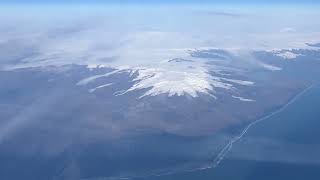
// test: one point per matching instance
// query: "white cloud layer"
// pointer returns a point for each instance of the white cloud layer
(145, 40)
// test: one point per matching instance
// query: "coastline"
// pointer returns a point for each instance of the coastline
(224, 151)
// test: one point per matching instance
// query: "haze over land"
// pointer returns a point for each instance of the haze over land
(112, 84)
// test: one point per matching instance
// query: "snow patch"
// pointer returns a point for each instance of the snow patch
(287, 55)
(102, 86)
(243, 99)
(181, 78)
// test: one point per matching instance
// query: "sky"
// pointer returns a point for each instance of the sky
(311, 2)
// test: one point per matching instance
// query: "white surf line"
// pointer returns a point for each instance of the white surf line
(228, 147)
(221, 154)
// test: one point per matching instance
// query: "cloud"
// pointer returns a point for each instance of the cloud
(221, 13)
(128, 44)
(288, 30)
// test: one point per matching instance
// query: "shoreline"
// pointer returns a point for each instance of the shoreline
(224, 151)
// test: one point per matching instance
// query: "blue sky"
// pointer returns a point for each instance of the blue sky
(168, 1)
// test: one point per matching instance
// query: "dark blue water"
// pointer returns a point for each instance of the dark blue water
(293, 152)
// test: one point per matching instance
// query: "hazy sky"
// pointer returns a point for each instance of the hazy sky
(287, 2)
